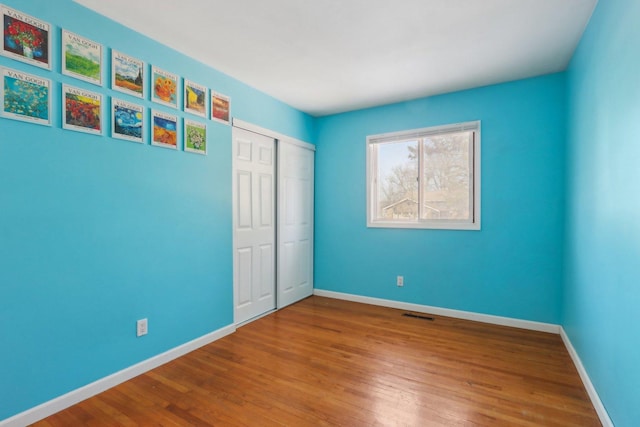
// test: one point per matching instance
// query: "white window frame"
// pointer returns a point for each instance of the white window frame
(474, 159)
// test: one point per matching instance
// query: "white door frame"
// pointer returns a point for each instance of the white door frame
(271, 134)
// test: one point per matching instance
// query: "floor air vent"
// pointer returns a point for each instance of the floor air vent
(418, 316)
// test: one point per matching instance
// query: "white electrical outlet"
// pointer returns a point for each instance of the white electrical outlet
(142, 327)
(400, 281)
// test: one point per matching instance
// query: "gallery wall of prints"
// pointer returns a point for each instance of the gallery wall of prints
(110, 93)
(106, 215)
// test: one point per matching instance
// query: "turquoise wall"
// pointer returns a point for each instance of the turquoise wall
(96, 233)
(602, 291)
(513, 266)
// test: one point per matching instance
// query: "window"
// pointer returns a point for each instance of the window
(425, 178)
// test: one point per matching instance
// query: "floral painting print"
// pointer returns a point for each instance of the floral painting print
(165, 130)
(165, 87)
(25, 97)
(195, 137)
(82, 110)
(25, 38)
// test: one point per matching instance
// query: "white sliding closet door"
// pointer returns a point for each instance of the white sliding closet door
(295, 222)
(254, 224)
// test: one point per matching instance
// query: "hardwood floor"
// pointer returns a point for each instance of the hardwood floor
(329, 362)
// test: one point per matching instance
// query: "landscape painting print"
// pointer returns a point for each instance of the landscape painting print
(164, 87)
(165, 130)
(81, 58)
(81, 110)
(127, 120)
(25, 97)
(195, 137)
(25, 38)
(220, 105)
(127, 74)
(195, 98)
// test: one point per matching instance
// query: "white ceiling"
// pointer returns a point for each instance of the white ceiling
(331, 56)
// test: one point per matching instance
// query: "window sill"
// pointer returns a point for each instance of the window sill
(426, 225)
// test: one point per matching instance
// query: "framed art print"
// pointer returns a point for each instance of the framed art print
(195, 98)
(81, 110)
(164, 87)
(164, 129)
(127, 121)
(26, 38)
(220, 107)
(81, 58)
(25, 97)
(127, 74)
(195, 137)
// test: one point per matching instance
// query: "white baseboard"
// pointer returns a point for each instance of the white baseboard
(58, 404)
(458, 314)
(591, 390)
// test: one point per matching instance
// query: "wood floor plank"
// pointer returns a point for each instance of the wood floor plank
(326, 362)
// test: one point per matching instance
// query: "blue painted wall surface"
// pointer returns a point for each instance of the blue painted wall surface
(96, 233)
(513, 266)
(602, 294)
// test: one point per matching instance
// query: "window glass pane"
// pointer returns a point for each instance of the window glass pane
(425, 178)
(397, 187)
(447, 176)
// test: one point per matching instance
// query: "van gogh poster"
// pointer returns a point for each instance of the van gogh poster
(25, 38)
(82, 110)
(127, 120)
(26, 97)
(165, 129)
(81, 58)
